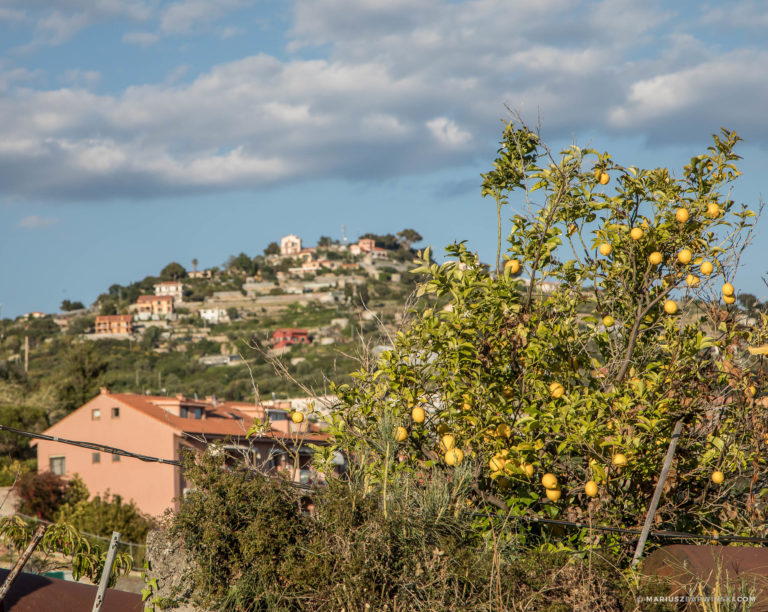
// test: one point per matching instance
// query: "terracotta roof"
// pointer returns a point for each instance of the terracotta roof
(223, 419)
(114, 318)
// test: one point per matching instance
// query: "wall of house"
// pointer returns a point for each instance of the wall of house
(151, 485)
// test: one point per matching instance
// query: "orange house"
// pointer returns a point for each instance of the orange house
(154, 305)
(165, 427)
(114, 324)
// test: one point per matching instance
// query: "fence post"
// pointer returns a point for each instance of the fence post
(105, 573)
(22, 560)
(657, 493)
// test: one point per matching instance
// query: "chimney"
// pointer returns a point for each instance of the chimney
(104, 391)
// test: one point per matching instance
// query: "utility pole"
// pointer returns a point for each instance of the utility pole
(26, 354)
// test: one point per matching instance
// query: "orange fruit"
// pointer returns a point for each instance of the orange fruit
(713, 210)
(692, 280)
(655, 258)
(603, 178)
(556, 390)
(528, 469)
(447, 442)
(297, 417)
(591, 488)
(729, 299)
(401, 433)
(681, 215)
(620, 460)
(636, 233)
(718, 477)
(513, 266)
(706, 268)
(608, 321)
(605, 249)
(728, 289)
(684, 256)
(670, 307)
(553, 494)
(454, 456)
(549, 481)
(418, 415)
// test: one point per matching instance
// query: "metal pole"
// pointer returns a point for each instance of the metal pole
(105, 573)
(22, 560)
(657, 493)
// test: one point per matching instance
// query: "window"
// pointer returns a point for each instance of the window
(96, 458)
(115, 457)
(183, 411)
(116, 412)
(198, 413)
(58, 465)
(95, 414)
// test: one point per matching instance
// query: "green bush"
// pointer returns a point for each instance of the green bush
(260, 544)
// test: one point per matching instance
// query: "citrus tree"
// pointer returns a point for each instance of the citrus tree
(555, 379)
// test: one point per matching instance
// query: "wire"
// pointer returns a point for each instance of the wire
(681, 535)
(91, 445)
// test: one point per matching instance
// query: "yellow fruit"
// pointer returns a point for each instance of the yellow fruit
(751, 391)
(655, 258)
(556, 390)
(497, 463)
(553, 494)
(442, 429)
(454, 456)
(401, 433)
(620, 460)
(636, 233)
(605, 249)
(466, 406)
(681, 215)
(706, 268)
(728, 289)
(503, 431)
(297, 417)
(608, 321)
(549, 481)
(729, 299)
(670, 307)
(718, 477)
(418, 415)
(591, 488)
(513, 266)
(528, 469)
(603, 177)
(713, 210)
(447, 442)
(684, 256)
(692, 280)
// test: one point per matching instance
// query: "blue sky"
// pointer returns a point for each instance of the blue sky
(138, 132)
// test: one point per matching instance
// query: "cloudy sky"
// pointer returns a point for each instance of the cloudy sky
(137, 132)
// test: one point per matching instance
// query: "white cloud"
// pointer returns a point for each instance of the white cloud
(37, 222)
(403, 88)
(184, 16)
(143, 39)
(447, 132)
(82, 78)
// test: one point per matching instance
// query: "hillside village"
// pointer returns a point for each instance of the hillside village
(159, 366)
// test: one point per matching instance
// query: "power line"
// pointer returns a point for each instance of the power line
(91, 446)
(680, 535)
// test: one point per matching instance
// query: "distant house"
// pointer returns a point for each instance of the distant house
(36, 314)
(153, 306)
(115, 325)
(175, 289)
(214, 316)
(165, 427)
(200, 273)
(285, 337)
(290, 245)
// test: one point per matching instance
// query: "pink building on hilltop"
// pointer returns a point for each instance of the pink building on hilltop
(164, 427)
